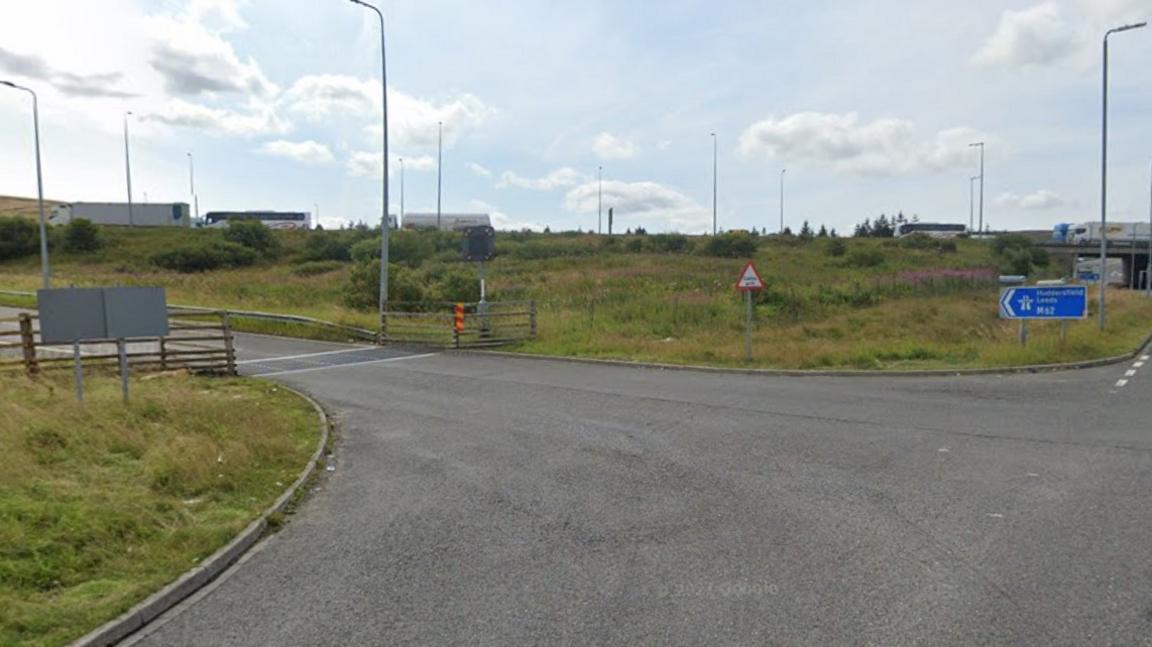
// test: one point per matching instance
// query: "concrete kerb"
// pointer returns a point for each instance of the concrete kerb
(140, 615)
(774, 372)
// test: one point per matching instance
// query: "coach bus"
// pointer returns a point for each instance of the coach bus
(271, 219)
(933, 229)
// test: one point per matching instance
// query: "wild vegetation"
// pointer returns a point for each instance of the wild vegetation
(860, 302)
(102, 504)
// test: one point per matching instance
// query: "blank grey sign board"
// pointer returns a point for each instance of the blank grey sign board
(71, 314)
(136, 312)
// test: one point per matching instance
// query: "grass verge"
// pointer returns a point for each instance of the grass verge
(103, 504)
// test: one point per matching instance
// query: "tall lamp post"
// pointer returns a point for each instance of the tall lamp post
(128, 169)
(192, 188)
(384, 225)
(44, 273)
(599, 199)
(1148, 270)
(981, 146)
(401, 223)
(971, 200)
(714, 166)
(782, 172)
(1104, 166)
(439, 166)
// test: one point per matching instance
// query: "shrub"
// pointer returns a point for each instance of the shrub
(457, 285)
(334, 245)
(362, 290)
(918, 241)
(18, 237)
(1017, 254)
(674, 243)
(80, 236)
(836, 248)
(634, 245)
(253, 235)
(410, 248)
(865, 258)
(735, 244)
(315, 268)
(203, 257)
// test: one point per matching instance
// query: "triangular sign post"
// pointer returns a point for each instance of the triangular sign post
(749, 279)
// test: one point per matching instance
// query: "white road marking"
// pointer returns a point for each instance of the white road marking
(287, 357)
(1121, 382)
(1032, 475)
(348, 365)
(995, 515)
(1129, 373)
(943, 450)
(1145, 358)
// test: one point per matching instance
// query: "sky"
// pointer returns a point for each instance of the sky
(869, 105)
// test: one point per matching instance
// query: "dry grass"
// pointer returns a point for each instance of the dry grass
(24, 207)
(102, 504)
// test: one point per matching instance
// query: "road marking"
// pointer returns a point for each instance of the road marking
(1139, 365)
(1145, 358)
(1131, 373)
(1121, 382)
(287, 357)
(350, 364)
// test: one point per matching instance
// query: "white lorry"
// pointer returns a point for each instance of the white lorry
(168, 214)
(1118, 232)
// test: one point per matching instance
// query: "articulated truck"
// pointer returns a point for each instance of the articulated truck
(169, 214)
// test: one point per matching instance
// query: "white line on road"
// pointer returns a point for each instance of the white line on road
(350, 364)
(1130, 373)
(1145, 358)
(1139, 365)
(329, 352)
(1121, 382)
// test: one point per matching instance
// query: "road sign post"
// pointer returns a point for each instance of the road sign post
(748, 283)
(1056, 303)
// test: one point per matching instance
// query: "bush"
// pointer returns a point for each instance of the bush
(734, 244)
(673, 243)
(203, 257)
(18, 237)
(253, 235)
(865, 258)
(334, 245)
(410, 248)
(81, 236)
(634, 245)
(362, 290)
(315, 268)
(456, 284)
(1017, 254)
(836, 248)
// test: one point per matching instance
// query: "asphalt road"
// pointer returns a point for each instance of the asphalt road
(493, 501)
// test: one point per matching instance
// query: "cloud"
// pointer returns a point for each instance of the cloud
(308, 152)
(478, 169)
(261, 120)
(76, 85)
(501, 220)
(412, 121)
(610, 147)
(1037, 35)
(643, 203)
(881, 147)
(365, 164)
(1039, 201)
(561, 177)
(192, 57)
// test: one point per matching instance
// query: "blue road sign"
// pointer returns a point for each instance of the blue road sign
(1059, 302)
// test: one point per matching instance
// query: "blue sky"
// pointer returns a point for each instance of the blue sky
(870, 107)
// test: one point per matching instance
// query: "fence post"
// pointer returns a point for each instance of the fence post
(163, 354)
(383, 326)
(532, 316)
(28, 344)
(229, 348)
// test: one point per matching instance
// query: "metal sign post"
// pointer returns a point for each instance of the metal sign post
(79, 368)
(748, 283)
(121, 350)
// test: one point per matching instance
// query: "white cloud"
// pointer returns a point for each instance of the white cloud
(881, 147)
(1037, 35)
(412, 121)
(1039, 201)
(260, 120)
(192, 57)
(479, 170)
(308, 152)
(610, 147)
(501, 220)
(560, 178)
(643, 203)
(365, 164)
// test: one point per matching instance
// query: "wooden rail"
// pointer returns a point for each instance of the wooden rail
(434, 324)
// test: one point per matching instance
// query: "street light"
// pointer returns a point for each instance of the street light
(401, 223)
(782, 172)
(981, 145)
(713, 184)
(599, 199)
(192, 188)
(128, 168)
(971, 190)
(1104, 165)
(439, 166)
(1148, 270)
(44, 273)
(316, 206)
(383, 303)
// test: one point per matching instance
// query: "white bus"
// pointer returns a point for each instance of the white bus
(933, 229)
(271, 219)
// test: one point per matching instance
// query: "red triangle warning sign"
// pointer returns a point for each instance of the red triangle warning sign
(750, 279)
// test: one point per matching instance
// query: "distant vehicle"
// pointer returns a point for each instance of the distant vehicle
(1088, 270)
(1089, 232)
(271, 219)
(933, 229)
(152, 214)
(448, 221)
(1061, 232)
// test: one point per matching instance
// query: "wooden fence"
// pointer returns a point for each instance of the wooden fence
(426, 323)
(198, 341)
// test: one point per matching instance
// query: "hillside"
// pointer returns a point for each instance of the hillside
(856, 303)
(24, 207)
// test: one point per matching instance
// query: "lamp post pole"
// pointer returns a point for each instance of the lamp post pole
(192, 188)
(384, 225)
(45, 275)
(980, 145)
(971, 201)
(599, 199)
(1104, 167)
(714, 182)
(439, 167)
(401, 223)
(1148, 269)
(128, 169)
(782, 172)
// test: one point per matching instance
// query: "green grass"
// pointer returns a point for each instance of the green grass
(103, 504)
(881, 304)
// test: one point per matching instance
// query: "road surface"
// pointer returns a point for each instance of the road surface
(494, 501)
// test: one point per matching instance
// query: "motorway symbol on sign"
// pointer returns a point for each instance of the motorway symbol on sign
(1063, 302)
(750, 279)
